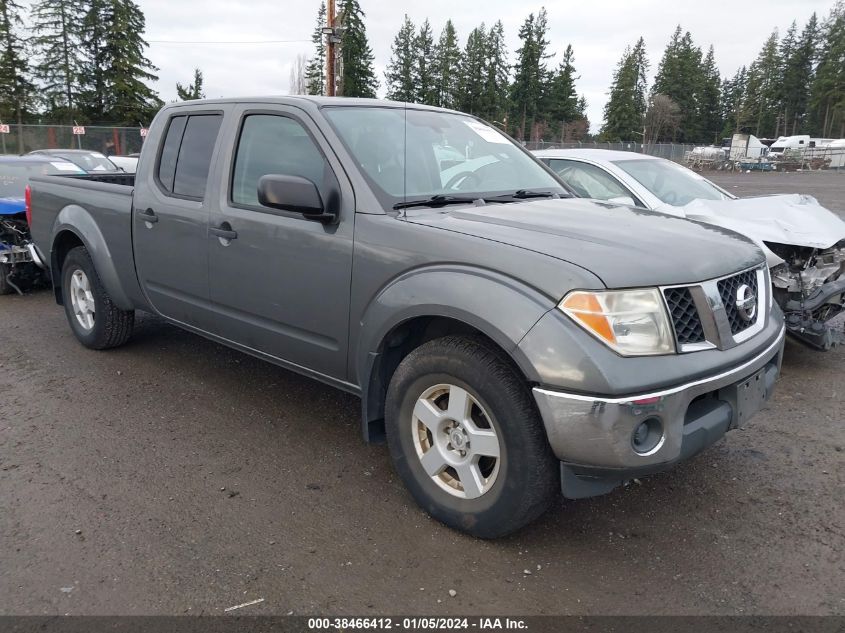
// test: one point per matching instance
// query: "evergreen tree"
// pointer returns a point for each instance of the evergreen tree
(473, 72)
(786, 84)
(359, 75)
(424, 72)
(579, 129)
(760, 106)
(530, 76)
(582, 107)
(640, 71)
(733, 93)
(709, 100)
(447, 60)
(828, 90)
(679, 77)
(494, 98)
(94, 62)
(562, 104)
(16, 89)
(315, 72)
(797, 79)
(192, 90)
(55, 40)
(400, 70)
(626, 106)
(132, 100)
(115, 71)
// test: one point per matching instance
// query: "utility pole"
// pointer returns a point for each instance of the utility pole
(331, 42)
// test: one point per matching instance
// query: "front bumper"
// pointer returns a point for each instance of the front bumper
(14, 255)
(593, 436)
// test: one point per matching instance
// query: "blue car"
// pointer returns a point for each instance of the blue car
(17, 267)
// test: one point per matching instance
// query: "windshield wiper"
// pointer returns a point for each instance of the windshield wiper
(524, 194)
(436, 201)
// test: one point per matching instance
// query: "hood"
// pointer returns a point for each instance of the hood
(784, 219)
(12, 206)
(623, 246)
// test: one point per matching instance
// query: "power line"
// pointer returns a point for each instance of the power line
(227, 42)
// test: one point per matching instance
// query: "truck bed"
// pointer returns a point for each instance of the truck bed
(101, 202)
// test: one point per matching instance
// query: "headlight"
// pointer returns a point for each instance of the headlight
(632, 322)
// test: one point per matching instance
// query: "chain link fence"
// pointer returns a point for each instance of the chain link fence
(21, 139)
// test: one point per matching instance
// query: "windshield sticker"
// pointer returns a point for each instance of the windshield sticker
(486, 132)
(65, 166)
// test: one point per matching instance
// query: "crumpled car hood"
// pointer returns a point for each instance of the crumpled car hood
(785, 219)
(12, 206)
(623, 246)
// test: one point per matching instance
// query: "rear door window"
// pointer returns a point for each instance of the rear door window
(186, 154)
(195, 155)
(170, 151)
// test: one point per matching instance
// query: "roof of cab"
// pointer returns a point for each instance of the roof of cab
(308, 101)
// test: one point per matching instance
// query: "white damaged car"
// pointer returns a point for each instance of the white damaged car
(803, 242)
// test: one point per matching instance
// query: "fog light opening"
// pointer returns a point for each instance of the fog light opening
(647, 436)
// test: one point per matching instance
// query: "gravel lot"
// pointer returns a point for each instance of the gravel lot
(827, 186)
(176, 476)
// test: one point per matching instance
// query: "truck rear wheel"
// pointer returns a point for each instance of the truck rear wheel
(467, 440)
(95, 320)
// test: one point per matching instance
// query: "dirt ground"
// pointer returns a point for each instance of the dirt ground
(174, 476)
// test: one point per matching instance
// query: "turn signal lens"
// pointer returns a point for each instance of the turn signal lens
(586, 308)
(632, 322)
(28, 204)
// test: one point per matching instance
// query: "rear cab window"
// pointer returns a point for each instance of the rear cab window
(186, 153)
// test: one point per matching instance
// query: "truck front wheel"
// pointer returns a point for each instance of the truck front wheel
(95, 320)
(465, 436)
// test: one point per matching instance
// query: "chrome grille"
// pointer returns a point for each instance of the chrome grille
(685, 317)
(727, 291)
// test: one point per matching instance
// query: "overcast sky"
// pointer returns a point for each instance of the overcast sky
(598, 30)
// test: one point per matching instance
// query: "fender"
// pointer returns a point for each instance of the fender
(500, 307)
(78, 221)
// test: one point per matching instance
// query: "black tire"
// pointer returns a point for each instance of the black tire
(528, 478)
(112, 326)
(5, 288)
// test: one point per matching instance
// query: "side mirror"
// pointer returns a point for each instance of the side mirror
(623, 200)
(293, 193)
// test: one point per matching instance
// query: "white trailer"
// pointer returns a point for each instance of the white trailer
(746, 146)
(836, 151)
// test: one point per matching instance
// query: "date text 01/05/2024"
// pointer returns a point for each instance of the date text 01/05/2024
(416, 623)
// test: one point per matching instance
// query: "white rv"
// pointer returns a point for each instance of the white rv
(800, 142)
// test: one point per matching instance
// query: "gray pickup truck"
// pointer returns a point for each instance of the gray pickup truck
(509, 341)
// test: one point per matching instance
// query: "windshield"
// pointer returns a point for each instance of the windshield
(90, 162)
(14, 176)
(671, 183)
(409, 154)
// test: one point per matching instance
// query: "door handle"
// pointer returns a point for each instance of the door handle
(224, 232)
(147, 215)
